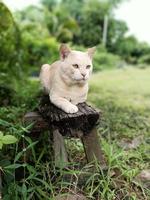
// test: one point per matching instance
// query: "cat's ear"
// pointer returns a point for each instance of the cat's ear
(64, 51)
(91, 52)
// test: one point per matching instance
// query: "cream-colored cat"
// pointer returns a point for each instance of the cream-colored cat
(66, 80)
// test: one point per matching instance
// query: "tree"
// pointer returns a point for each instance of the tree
(116, 32)
(74, 7)
(126, 48)
(10, 56)
(50, 4)
(91, 23)
(113, 3)
(61, 24)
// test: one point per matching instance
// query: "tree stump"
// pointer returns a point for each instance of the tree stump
(79, 125)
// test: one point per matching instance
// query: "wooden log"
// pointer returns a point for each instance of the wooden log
(39, 124)
(84, 120)
(61, 158)
(47, 115)
(92, 148)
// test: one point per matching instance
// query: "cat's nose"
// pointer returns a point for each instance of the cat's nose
(83, 74)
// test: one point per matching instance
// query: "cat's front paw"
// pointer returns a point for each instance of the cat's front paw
(71, 109)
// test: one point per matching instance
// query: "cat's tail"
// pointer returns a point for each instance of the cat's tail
(45, 77)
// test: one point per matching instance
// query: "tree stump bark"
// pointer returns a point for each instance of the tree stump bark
(92, 148)
(61, 158)
(81, 124)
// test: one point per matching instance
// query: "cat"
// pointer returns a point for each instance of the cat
(66, 80)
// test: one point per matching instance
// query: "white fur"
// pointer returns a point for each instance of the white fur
(63, 82)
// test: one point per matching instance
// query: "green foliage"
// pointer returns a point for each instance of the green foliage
(115, 34)
(61, 24)
(38, 46)
(10, 54)
(144, 59)
(50, 4)
(126, 47)
(36, 41)
(91, 23)
(6, 139)
(104, 60)
(39, 52)
(6, 95)
(30, 14)
(77, 22)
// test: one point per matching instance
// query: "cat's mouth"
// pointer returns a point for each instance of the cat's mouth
(81, 79)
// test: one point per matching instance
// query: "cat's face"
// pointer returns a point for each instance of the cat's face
(76, 65)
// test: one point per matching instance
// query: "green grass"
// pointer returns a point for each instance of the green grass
(123, 96)
(128, 87)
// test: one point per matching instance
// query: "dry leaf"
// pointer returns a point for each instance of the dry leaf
(144, 175)
(130, 144)
(70, 197)
(144, 178)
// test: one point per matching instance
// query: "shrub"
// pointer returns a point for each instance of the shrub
(65, 35)
(6, 95)
(104, 60)
(10, 54)
(145, 59)
(39, 52)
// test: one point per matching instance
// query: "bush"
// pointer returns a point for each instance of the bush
(39, 52)
(145, 59)
(10, 54)
(65, 35)
(104, 60)
(6, 95)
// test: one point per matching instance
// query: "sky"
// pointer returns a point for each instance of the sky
(19, 4)
(136, 13)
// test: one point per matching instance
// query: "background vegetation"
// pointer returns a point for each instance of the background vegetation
(31, 37)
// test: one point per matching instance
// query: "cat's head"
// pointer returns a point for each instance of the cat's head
(76, 65)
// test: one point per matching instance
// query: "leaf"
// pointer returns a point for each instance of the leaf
(31, 169)
(144, 178)
(41, 192)
(24, 150)
(144, 175)
(5, 123)
(18, 156)
(130, 144)
(9, 139)
(24, 190)
(70, 197)
(13, 166)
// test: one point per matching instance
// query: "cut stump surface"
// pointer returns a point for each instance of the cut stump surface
(84, 120)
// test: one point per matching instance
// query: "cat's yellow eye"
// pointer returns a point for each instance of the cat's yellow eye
(76, 66)
(88, 66)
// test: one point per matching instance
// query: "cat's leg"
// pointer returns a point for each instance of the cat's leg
(63, 104)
